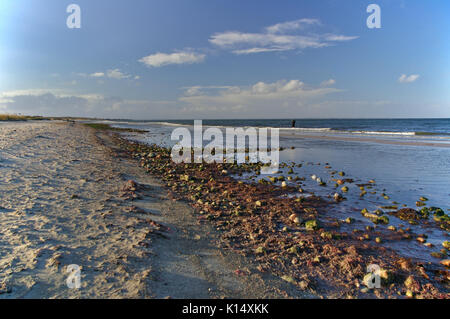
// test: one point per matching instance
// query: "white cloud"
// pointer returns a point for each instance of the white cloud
(257, 50)
(329, 82)
(292, 25)
(117, 74)
(97, 75)
(198, 89)
(277, 38)
(337, 37)
(163, 59)
(408, 79)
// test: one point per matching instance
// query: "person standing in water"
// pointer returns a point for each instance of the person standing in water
(293, 123)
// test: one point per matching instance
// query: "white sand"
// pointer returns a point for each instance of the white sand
(45, 228)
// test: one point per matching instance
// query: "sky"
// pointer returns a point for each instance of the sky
(215, 59)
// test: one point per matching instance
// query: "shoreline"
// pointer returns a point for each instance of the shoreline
(248, 230)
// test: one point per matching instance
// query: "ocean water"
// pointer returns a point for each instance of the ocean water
(417, 127)
(408, 158)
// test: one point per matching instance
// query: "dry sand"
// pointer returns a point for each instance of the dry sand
(61, 203)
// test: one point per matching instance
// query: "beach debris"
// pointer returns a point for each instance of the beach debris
(260, 250)
(420, 204)
(411, 283)
(421, 239)
(407, 214)
(437, 254)
(337, 197)
(374, 217)
(349, 220)
(425, 212)
(294, 249)
(326, 235)
(312, 225)
(288, 279)
(295, 218)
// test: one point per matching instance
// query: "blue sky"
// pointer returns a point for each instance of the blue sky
(204, 59)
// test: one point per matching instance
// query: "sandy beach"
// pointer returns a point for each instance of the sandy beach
(140, 226)
(68, 196)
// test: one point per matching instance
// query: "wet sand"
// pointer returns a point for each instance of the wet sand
(66, 198)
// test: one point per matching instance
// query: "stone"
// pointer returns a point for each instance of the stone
(289, 279)
(312, 225)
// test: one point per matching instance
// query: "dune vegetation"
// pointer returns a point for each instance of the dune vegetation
(15, 117)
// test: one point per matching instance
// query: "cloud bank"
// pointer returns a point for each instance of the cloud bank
(275, 99)
(57, 103)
